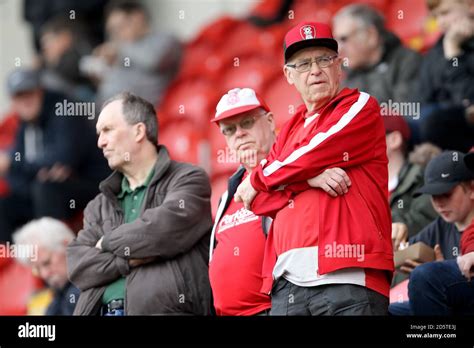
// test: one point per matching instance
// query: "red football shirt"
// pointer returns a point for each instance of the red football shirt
(235, 270)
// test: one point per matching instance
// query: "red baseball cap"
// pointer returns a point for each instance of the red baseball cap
(308, 34)
(237, 101)
(397, 123)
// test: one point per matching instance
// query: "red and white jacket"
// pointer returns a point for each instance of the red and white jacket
(347, 133)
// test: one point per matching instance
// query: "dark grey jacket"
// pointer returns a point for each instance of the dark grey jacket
(447, 81)
(393, 78)
(174, 226)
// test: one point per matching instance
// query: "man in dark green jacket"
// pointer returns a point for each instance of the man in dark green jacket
(143, 249)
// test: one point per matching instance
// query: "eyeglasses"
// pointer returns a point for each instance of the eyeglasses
(305, 65)
(245, 123)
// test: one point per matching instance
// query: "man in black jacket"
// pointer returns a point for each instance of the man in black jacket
(446, 77)
(54, 167)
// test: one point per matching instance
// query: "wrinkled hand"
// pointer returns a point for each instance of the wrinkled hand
(410, 265)
(139, 262)
(245, 193)
(399, 234)
(466, 265)
(334, 181)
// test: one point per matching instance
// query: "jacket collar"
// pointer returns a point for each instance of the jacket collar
(111, 186)
(409, 176)
(343, 93)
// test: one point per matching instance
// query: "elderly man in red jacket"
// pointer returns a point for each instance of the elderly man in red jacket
(326, 255)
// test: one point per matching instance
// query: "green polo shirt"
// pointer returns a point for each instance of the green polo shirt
(131, 202)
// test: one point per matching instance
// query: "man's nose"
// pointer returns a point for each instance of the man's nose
(101, 142)
(45, 273)
(239, 131)
(314, 68)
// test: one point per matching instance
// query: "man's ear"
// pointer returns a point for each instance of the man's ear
(338, 63)
(271, 119)
(394, 140)
(372, 36)
(288, 74)
(140, 131)
(471, 186)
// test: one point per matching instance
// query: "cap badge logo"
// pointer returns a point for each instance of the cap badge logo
(308, 32)
(233, 98)
(444, 176)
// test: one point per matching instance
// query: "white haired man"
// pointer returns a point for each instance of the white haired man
(48, 238)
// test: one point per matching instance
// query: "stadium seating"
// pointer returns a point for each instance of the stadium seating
(19, 283)
(281, 98)
(185, 142)
(8, 127)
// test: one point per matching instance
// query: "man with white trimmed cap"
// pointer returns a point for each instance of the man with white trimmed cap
(333, 254)
(239, 236)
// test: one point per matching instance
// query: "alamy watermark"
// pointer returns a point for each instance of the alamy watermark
(19, 251)
(28, 330)
(350, 251)
(228, 155)
(68, 108)
(405, 109)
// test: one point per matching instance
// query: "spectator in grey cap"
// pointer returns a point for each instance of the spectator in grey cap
(53, 167)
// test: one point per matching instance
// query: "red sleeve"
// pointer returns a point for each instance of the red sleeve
(467, 240)
(349, 138)
(269, 203)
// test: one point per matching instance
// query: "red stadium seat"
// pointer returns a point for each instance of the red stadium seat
(193, 99)
(282, 99)
(202, 61)
(249, 39)
(267, 8)
(406, 18)
(399, 293)
(17, 284)
(314, 11)
(216, 32)
(185, 142)
(8, 128)
(250, 71)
